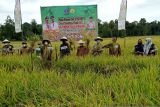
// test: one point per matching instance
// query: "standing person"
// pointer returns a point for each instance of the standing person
(64, 48)
(114, 47)
(91, 24)
(7, 48)
(138, 49)
(97, 48)
(46, 25)
(82, 49)
(149, 47)
(53, 25)
(46, 53)
(24, 49)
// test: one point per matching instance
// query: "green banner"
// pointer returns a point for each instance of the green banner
(74, 22)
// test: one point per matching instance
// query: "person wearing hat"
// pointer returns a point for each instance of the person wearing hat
(82, 49)
(24, 49)
(114, 47)
(149, 48)
(64, 48)
(46, 53)
(97, 48)
(7, 48)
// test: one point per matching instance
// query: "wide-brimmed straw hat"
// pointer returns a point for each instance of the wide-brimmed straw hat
(81, 42)
(64, 39)
(6, 41)
(98, 38)
(24, 42)
(46, 40)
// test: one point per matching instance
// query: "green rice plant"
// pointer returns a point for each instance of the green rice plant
(99, 81)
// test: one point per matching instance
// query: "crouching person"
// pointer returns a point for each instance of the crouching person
(46, 53)
(138, 49)
(150, 48)
(97, 48)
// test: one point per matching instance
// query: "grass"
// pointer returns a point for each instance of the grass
(82, 82)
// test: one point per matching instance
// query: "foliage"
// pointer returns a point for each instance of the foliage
(105, 29)
(7, 30)
(100, 81)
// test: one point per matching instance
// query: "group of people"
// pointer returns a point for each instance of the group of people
(145, 49)
(50, 26)
(83, 48)
(9, 49)
(114, 48)
(44, 49)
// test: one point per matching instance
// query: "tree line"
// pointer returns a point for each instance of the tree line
(105, 29)
(7, 30)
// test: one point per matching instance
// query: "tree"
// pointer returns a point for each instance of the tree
(105, 29)
(34, 26)
(111, 27)
(8, 28)
(143, 26)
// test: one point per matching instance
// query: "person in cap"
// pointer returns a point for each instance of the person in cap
(97, 48)
(46, 49)
(114, 47)
(149, 48)
(82, 49)
(64, 48)
(24, 49)
(138, 49)
(7, 47)
(46, 53)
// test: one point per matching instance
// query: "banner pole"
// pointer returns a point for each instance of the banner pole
(21, 23)
(124, 38)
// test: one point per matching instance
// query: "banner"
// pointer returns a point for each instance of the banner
(74, 22)
(122, 15)
(17, 17)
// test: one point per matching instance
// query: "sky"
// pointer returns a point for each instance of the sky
(107, 9)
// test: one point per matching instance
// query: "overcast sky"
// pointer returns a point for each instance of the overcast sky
(107, 9)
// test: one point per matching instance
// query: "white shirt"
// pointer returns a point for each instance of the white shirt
(46, 26)
(54, 26)
(91, 25)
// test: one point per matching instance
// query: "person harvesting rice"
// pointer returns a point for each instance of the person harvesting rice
(97, 48)
(46, 53)
(114, 47)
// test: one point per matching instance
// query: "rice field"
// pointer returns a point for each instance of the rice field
(82, 82)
